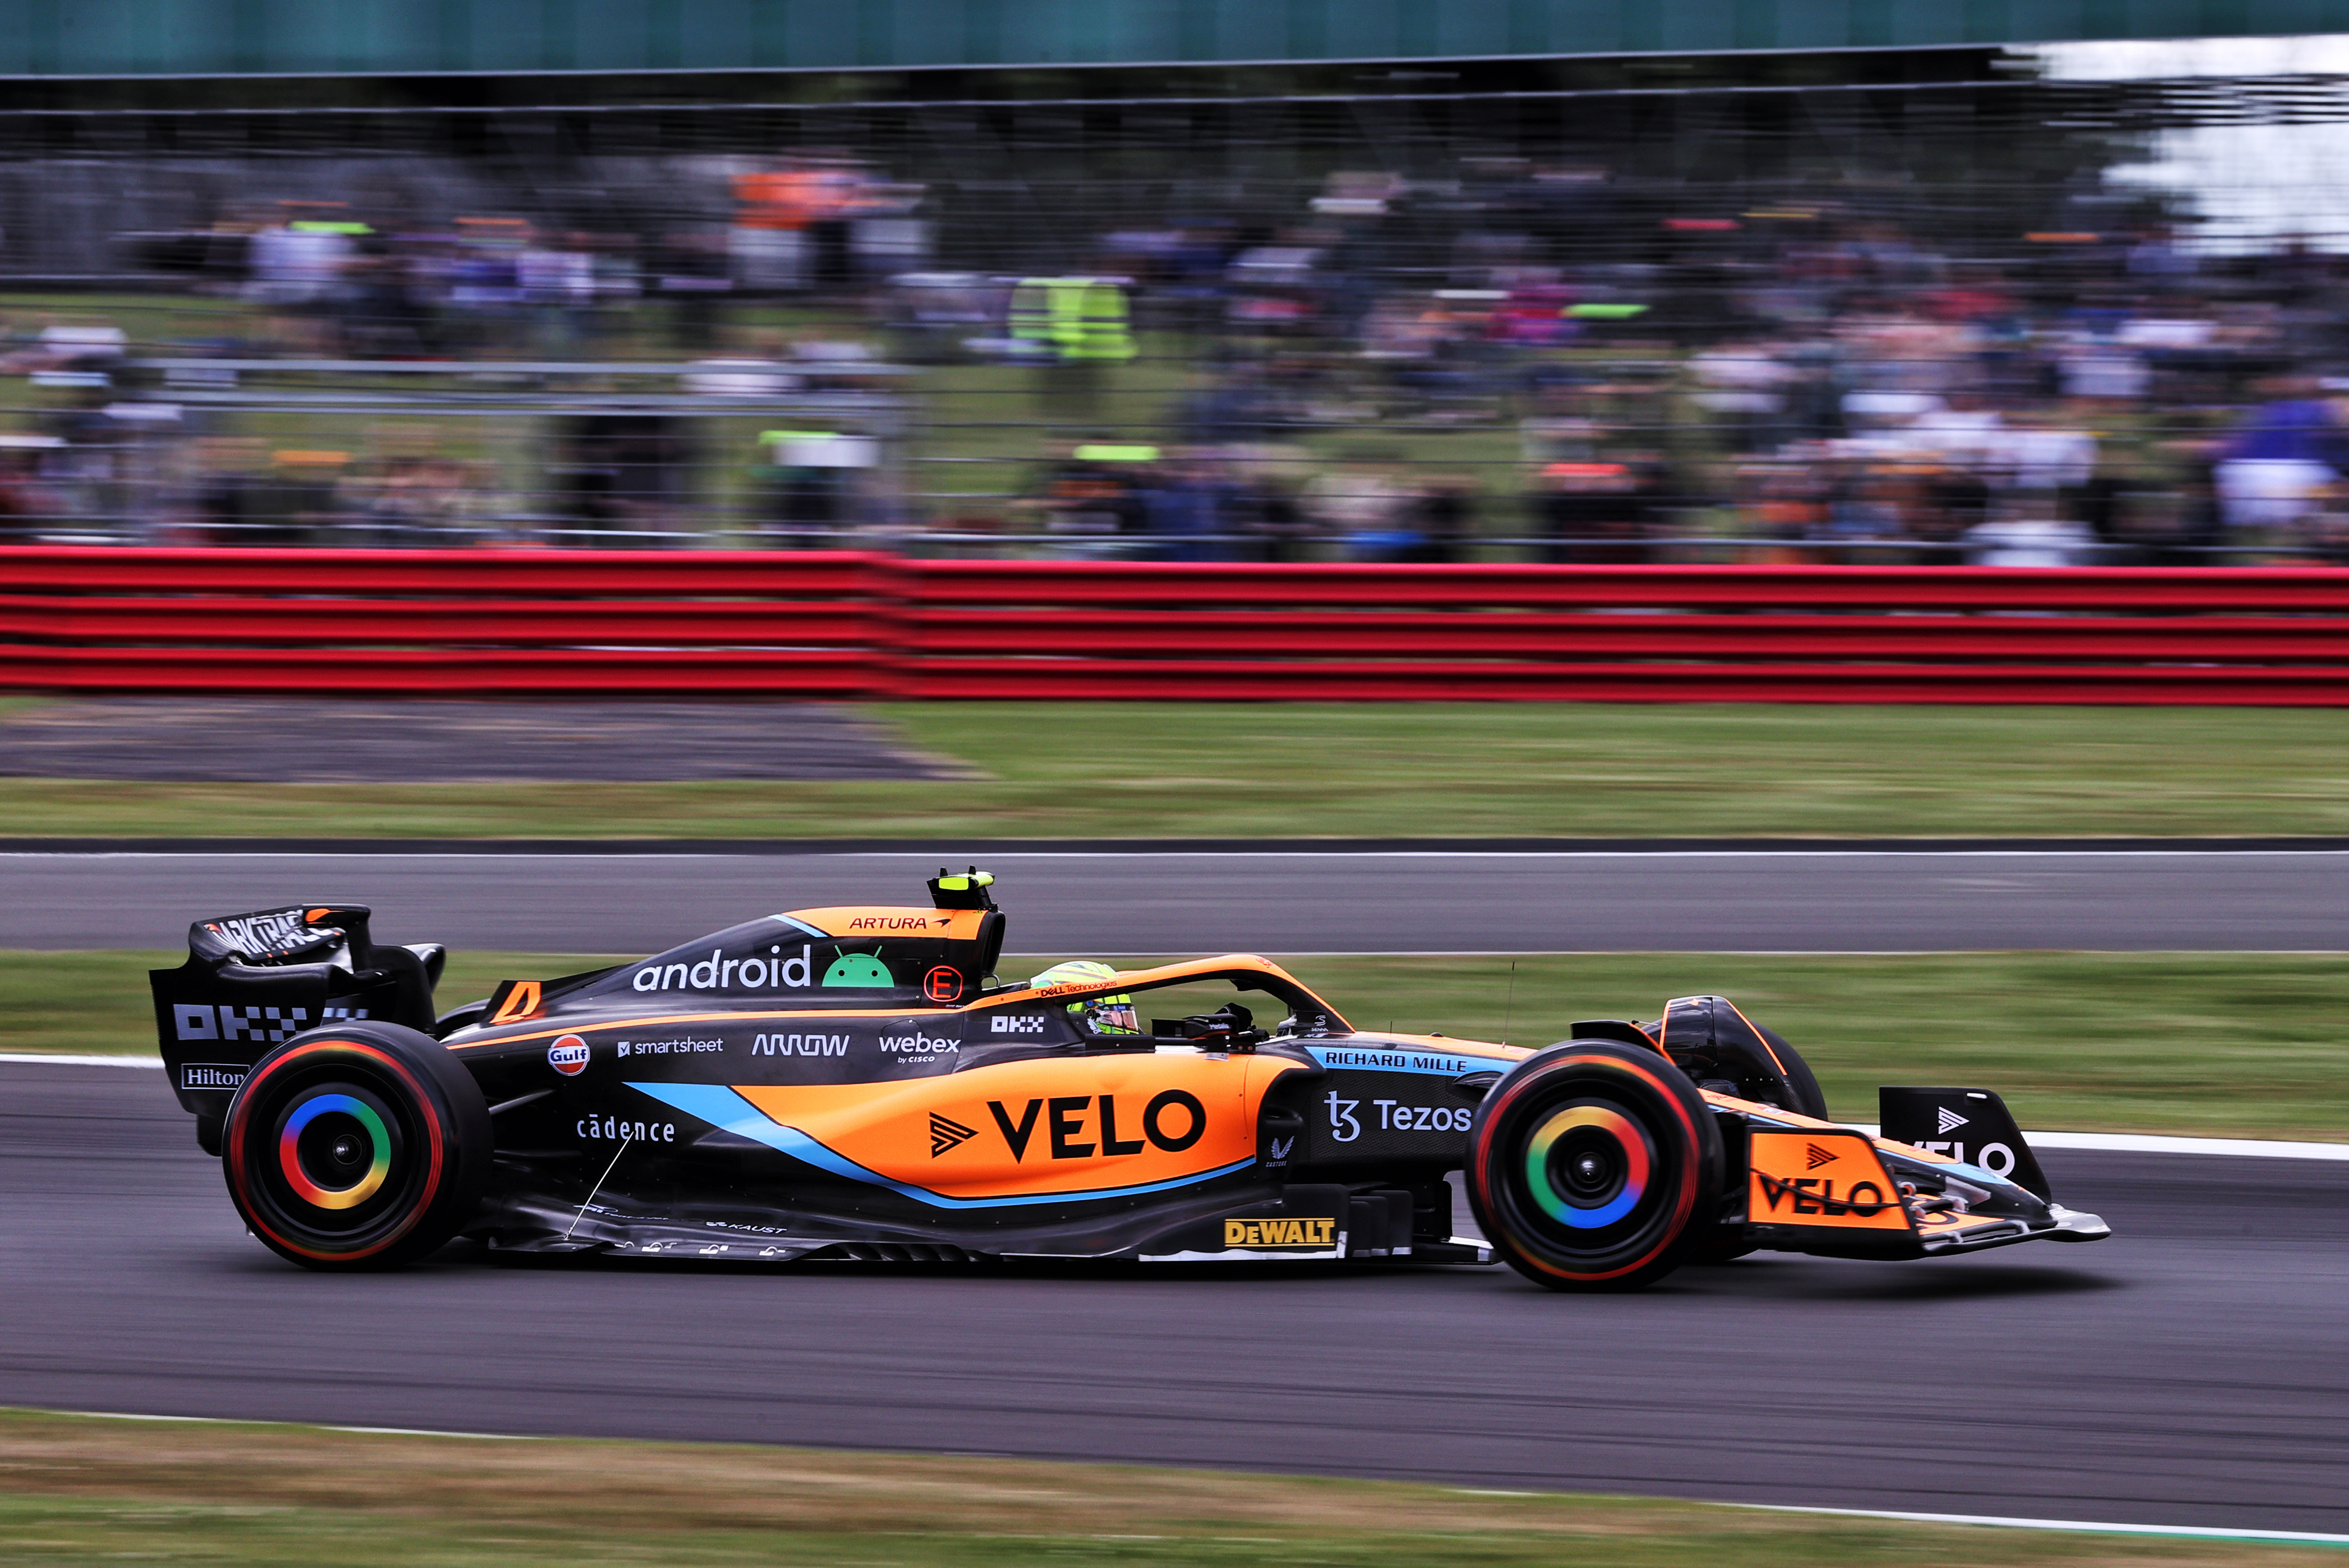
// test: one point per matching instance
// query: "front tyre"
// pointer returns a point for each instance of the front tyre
(1809, 1099)
(362, 1145)
(1594, 1166)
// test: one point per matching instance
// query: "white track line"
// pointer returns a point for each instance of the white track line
(40, 1060)
(2191, 1532)
(2147, 1143)
(2155, 1143)
(234, 1421)
(2112, 1143)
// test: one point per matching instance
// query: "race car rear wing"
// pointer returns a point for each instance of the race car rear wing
(255, 980)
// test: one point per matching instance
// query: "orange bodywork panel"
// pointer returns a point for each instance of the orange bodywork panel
(1052, 1125)
(837, 921)
(1954, 1224)
(1829, 1179)
(852, 921)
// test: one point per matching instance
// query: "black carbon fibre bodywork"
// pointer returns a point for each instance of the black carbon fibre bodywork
(855, 1083)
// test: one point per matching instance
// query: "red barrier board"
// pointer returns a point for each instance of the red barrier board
(838, 624)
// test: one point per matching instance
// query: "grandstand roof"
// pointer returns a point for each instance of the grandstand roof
(364, 37)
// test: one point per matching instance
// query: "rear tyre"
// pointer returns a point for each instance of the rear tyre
(362, 1145)
(1594, 1167)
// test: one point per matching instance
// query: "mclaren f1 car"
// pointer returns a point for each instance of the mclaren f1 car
(856, 1084)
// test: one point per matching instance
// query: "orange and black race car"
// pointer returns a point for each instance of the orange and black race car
(855, 1084)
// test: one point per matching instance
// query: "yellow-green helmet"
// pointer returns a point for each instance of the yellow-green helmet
(1102, 1014)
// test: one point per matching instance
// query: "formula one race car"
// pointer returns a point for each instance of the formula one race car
(854, 1083)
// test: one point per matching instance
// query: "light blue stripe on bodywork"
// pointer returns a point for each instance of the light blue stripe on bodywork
(1397, 1059)
(802, 927)
(722, 1107)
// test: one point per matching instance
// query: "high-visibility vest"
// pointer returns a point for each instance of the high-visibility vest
(1077, 317)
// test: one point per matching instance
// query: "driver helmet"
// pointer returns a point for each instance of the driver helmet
(1100, 1014)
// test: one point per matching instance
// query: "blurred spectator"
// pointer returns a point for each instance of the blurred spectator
(2276, 467)
(1593, 511)
(1090, 503)
(808, 492)
(1360, 503)
(1661, 368)
(2030, 542)
(21, 512)
(1444, 518)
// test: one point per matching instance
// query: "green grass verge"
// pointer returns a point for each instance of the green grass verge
(2222, 1044)
(78, 1491)
(1246, 770)
(98, 1003)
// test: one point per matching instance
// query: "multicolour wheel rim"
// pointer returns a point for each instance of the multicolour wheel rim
(280, 1197)
(1587, 1166)
(377, 1148)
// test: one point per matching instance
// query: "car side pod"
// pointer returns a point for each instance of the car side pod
(358, 1146)
(1594, 1166)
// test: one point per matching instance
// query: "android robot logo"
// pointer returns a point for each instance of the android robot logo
(858, 969)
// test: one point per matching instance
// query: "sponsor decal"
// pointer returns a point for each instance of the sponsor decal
(1343, 1127)
(613, 1129)
(262, 1025)
(800, 1045)
(718, 973)
(1820, 1179)
(270, 934)
(517, 1000)
(569, 1056)
(1442, 1062)
(899, 922)
(1016, 1023)
(918, 1044)
(1280, 1147)
(212, 1074)
(1946, 1120)
(1281, 1232)
(1396, 1116)
(1817, 1195)
(683, 1048)
(860, 971)
(943, 983)
(946, 1134)
(1996, 1158)
(1174, 1120)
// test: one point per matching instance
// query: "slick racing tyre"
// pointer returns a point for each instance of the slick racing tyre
(1594, 1166)
(1809, 1098)
(363, 1146)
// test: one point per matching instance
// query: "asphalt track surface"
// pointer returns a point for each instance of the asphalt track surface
(1282, 899)
(2186, 1372)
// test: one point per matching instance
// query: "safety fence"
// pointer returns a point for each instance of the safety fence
(844, 625)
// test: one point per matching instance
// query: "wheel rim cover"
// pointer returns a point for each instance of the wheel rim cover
(1607, 1128)
(289, 1157)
